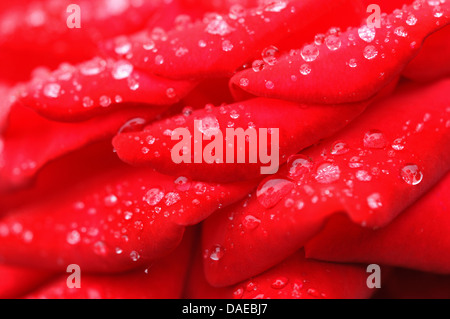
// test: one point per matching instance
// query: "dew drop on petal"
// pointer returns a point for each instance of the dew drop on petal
(279, 283)
(332, 42)
(133, 125)
(401, 32)
(134, 255)
(209, 125)
(352, 63)
(154, 196)
(411, 174)
(366, 33)
(269, 85)
(374, 201)
(52, 90)
(227, 45)
(310, 52)
(243, 82)
(299, 165)
(216, 253)
(411, 19)
(258, 65)
(305, 69)
(270, 54)
(363, 176)
(218, 26)
(272, 191)
(370, 52)
(275, 6)
(250, 222)
(73, 237)
(122, 69)
(104, 101)
(92, 67)
(339, 148)
(374, 139)
(327, 173)
(398, 144)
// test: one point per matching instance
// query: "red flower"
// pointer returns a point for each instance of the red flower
(356, 116)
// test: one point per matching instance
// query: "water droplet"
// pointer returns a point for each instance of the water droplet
(171, 198)
(110, 200)
(352, 63)
(327, 173)
(305, 69)
(201, 43)
(411, 19)
(227, 46)
(244, 82)
(366, 33)
(401, 32)
(216, 253)
(374, 201)
(133, 83)
(270, 85)
(363, 176)
(275, 6)
(374, 139)
(272, 191)
(149, 45)
(209, 125)
(218, 26)
(236, 11)
(279, 283)
(92, 67)
(339, 148)
(333, 42)
(258, 65)
(299, 165)
(310, 52)
(438, 12)
(170, 92)
(370, 52)
(181, 51)
(87, 101)
(133, 125)
(73, 237)
(154, 196)
(411, 174)
(121, 69)
(398, 144)
(105, 101)
(250, 222)
(134, 255)
(123, 46)
(159, 59)
(270, 54)
(52, 90)
(100, 248)
(182, 183)
(319, 38)
(118, 250)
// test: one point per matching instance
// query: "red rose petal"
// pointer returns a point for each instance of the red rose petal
(81, 92)
(415, 239)
(220, 44)
(410, 284)
(317, 121)
(345, 68)
(18, 280)
(372, 170)
(160, 280)
(432, 62)
(31, 141)
(294, 278)
(116, 220)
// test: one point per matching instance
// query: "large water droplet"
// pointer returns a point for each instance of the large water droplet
(310, 52)
(366, 33)
(250, 222)
(374, 201)
(272, 191)
(275, 6)
(216, 253)
(299, 165)
(52, 90)
(374, 139)
(92, 67)
(270, 54)
(370, 52)
(133, 125)
(73, 237)
(411, 174)
(333, 42)
(209, 125)
(122, 69)
(154, 196)
(279, 283)
(305, 69)
(327, 173)
(218, 26)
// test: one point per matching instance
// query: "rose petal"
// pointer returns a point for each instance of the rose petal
(350, 67)
(415, 239)
(317, 122)
(118, 219)
(294, 278)
(162, 279)
(372, 170)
